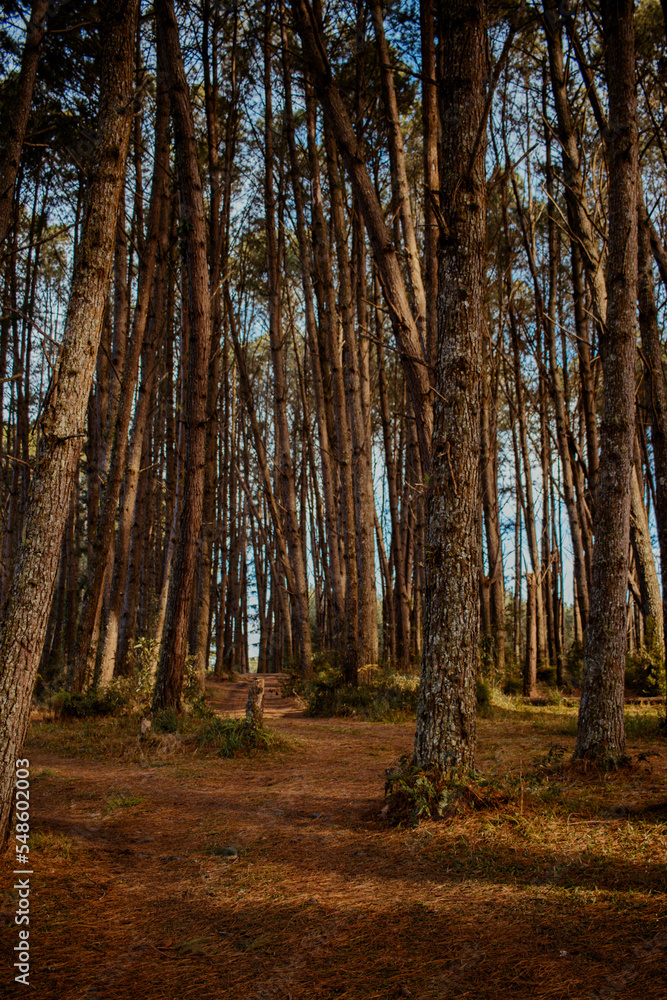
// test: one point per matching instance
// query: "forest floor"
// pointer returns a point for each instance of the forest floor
(163, 873)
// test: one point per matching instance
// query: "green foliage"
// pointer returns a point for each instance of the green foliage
(65, 705)
(645, 669)
(191, 683)
(483, 696)
(236, 737)
(123, 695)
(574, 662)
(512, 686)
(389, 697)
(166, 721)
(123, 799)
(414, 793)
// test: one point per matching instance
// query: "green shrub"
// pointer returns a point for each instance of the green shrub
(483, 696)
(236, 737)
(415, 793)
(512, 686)
(387, 698)
(645, 667)
(574, 662)
(65, 705)
(166, 721)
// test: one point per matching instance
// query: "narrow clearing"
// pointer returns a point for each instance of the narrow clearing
(176, 875)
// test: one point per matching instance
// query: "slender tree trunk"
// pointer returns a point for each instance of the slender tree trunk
(99, 565)
(169, 682)
(405, 328)
(9, 163)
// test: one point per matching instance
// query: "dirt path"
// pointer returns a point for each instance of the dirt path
(191, 877)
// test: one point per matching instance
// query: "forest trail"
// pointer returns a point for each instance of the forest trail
(169, 874)
(229, 697)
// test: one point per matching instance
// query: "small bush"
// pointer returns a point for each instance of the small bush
(387, 698)
(512, 686)
(483, 696)
(201, 710)
(415, 793)
(645, 671)
(166, 721)
(235, 737)
(65, 705)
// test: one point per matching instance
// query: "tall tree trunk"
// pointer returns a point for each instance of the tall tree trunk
(399, 177)
(9, 163)
(405, 328)
(287, 490)
(169, 681)
(489, 474)
(445, 736)
(601, 733)
(25, 615)
(656, 400)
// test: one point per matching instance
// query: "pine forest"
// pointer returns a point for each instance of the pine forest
(333, 463)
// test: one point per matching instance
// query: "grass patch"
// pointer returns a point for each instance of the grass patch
(236, 738)
(389, 697)
(123, 799)
(55, 845)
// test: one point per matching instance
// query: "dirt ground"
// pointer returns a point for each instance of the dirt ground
(176, 875)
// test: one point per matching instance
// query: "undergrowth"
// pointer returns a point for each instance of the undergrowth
(414, 793)
(387, 697)
(236, 737)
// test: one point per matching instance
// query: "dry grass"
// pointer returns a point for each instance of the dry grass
(274, 876)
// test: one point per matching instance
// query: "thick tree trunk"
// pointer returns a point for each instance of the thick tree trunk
(25, 614)
(601, 733)
(445, 736)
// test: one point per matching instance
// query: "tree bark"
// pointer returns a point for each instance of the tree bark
(9, 163)
(169, 682)
(26, 612)
(445, 736)
(405, 328)
(601, 733)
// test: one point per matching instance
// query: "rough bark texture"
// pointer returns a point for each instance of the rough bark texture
(25, 615)
(254, 709)
(601, 732)
(169, 681)
(445, 736)
(287, 490)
